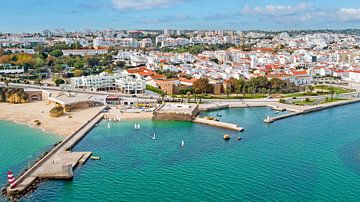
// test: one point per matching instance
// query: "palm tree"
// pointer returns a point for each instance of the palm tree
(332, 91)
(188, 96)
(163, 94)
(6, 83)
(310, 88)
(228, 91)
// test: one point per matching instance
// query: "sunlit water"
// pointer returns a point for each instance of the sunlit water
(20, 146)
(303, 158)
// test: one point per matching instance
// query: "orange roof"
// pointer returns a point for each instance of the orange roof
(300, 72)
(182, 79)
(158, 76)
(142, 71)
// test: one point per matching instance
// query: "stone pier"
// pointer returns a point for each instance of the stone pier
(58, 163)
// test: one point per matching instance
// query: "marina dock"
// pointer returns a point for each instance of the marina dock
(58, 163)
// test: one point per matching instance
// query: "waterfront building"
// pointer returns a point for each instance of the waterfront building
(354, 76)
(124, 82)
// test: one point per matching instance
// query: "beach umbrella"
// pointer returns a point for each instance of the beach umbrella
(11, 180)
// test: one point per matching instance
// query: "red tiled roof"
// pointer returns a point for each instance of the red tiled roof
(142, 71)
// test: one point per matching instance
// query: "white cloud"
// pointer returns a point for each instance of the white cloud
(349, 14)
(285, 13)
(277, 10)
(144, 4)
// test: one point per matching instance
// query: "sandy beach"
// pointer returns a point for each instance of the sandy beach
(27, 113)
(115, 114)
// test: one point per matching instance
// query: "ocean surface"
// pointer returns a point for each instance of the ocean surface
(304, 158)
(20, 145)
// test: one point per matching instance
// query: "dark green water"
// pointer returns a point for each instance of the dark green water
(304, 158)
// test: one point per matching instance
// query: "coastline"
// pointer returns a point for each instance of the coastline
(115, 115)
(27, 113)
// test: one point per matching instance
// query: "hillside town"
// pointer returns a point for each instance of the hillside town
(171, 61)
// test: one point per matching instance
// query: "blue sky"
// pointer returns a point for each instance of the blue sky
(37, 15)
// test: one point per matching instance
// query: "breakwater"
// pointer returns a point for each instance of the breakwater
(311, 109)
(218, 124)
(56, 164)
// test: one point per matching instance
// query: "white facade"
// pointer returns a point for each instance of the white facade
(7, 69)
(84, 52)
(354, 76)
(124, 82)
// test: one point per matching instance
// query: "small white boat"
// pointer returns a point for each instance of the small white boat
(154, 137)
(182, 143)
(137, 126)
(108, 126)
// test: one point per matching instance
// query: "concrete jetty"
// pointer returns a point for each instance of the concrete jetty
(311, 109)
(58, 163)
(219, 124)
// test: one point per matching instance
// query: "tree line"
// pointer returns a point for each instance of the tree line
(254, 85)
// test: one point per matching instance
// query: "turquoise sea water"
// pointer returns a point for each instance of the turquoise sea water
(303, 158)
(19, 146)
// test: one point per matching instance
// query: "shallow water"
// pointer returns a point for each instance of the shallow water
(19, 146)
(303, 158)
(310, 157)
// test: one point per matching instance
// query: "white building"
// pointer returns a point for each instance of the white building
(8, 69)
(354, 76)
(84, 52)
(124, 82)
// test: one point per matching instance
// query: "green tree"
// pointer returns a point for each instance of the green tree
(78, 72)
(39, 62)
(109, 71)
(201, 85)
(92, 61)
(58, 68)
(58, 81)
(56, 53)
(188, 94)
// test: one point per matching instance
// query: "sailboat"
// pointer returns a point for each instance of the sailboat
(108, 126)
(154, 137)
(182, 143)
(137, 126)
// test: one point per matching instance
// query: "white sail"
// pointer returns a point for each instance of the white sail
(154, 137)
(182, 143)
(108, 125)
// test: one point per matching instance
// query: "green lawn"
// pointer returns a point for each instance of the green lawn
(300, 94)
(153, 89)
(329, 100)
(304, 102)
(326, 89)
(245, 96)
(319, 90)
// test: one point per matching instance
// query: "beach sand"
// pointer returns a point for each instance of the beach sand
(137, 116)
(27, 113)
(115, 113)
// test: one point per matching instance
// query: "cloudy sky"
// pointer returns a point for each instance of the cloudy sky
(37, 15)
